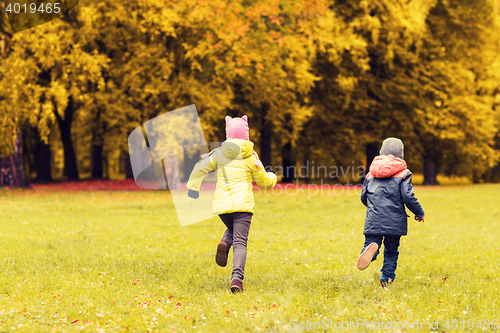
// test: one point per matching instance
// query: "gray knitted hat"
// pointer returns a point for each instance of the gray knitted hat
(393, 146)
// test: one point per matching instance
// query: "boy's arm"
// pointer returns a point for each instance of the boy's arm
(364, 193)
(201, 168)
(409, 197)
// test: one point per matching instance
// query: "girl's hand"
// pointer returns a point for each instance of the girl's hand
(193, 194)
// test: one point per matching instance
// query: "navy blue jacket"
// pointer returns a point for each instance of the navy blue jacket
(386, 191)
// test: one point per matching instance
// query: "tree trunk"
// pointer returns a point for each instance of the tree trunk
(265, 139)
(495, 175)
(70, 163)
(97, 147)
(288, 163)
(127, 166)
(42, 160)
(11, 167)
(307, 158)
(371, 152)
(430, 172)
(5, 33)
(189, 163)
(97, 161)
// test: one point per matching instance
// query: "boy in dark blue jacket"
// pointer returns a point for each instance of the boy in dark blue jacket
(386, 191)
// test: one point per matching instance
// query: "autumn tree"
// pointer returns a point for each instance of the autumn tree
(263, 50)
(458, 86)
(415, 52)
(118, 65)
(319, 79)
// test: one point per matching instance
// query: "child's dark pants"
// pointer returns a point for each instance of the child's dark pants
(236, 235)
(391, 253)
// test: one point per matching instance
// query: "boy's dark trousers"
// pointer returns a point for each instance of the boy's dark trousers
(391, 253)
(236, 235)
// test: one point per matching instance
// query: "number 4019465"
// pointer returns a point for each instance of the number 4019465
(471, 324)
(33, 8)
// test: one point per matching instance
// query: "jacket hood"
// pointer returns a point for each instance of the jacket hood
(232, 148)
(384, 166)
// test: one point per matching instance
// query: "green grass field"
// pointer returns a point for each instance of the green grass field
(120, 262)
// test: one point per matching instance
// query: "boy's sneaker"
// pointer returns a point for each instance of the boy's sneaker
(366, 257)
(384, 282)
(221, 255)
(236, 286)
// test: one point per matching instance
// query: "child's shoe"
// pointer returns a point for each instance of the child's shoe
(236, 286)
(384, 282)
(221, 255)
(366, 257)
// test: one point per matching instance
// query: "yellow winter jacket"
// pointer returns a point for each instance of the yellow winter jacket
(235, 164)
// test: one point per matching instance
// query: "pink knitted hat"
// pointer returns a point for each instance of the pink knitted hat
(237, 128)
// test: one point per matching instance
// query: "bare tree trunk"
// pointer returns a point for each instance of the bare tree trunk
(11, 167)
(42, 160)
(70, 163)
(97, 147)
(288, 163)
(430, 172)
(494, 175)
(127, 165)
(372, 151)
(5, 32)
(265, 138)
(97, 161)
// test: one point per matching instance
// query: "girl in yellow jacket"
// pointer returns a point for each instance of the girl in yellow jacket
(236, 164)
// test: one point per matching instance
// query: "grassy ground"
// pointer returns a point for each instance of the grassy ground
(119, 261)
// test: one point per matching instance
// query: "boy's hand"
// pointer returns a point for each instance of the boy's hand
(193, 194)
(420, 219)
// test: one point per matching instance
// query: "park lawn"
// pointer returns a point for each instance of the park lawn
(119, 261)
